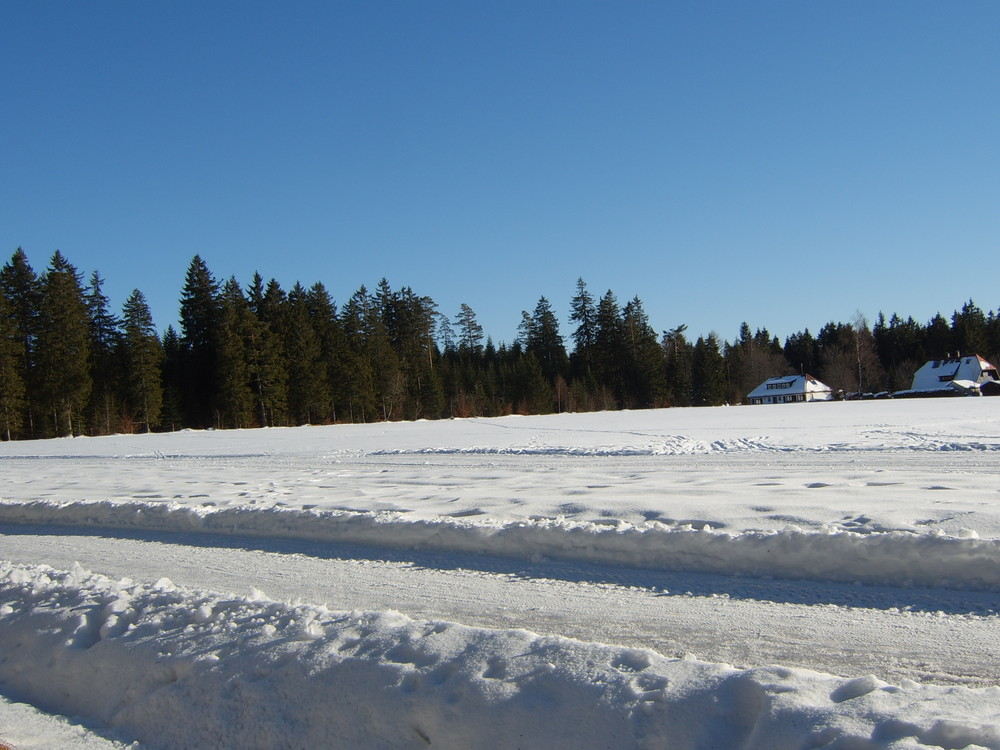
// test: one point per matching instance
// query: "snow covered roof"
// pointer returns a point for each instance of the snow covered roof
(943, 374)
(789, 385)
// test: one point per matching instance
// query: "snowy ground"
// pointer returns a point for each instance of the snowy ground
(807, 575)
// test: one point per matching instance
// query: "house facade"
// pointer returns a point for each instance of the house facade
(790, 389)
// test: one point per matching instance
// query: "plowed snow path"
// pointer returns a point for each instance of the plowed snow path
(926, 635)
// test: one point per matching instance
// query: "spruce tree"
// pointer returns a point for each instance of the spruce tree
(143, 355)
(532, 390)
(235, 398)
(63, 347)
(837, 356)
(677, 352)
(969, 331)
(308, 382)
(12, 401)
(23, 290)
(802, 353)
(938, 337)
(541, 337)
(255, 293)
(200, 314)
(360, 396)
(901, 349)
(172, 379)
(333, 346)
(708, 385)
(413, 341)
(376, 389)
(751, 360)
(993, 337)
(265, 354)
(609, 352)
(583, 312)
(644, 371)
(105, 361)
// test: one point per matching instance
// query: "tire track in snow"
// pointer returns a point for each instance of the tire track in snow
(846, 630)
(891, 558)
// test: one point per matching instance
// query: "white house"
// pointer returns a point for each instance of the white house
(789, 389)
(954, 376)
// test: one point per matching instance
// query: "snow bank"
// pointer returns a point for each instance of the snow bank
(881, 558)
(177, 668)
(24, 727)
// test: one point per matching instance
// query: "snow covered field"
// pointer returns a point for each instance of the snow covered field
(807, 575)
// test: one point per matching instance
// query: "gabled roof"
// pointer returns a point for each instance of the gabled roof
(789, 385)
(938, 374)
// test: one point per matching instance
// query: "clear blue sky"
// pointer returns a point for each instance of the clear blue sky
(784, 163)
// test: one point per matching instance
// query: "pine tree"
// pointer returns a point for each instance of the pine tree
(63, 347)
(143, 355)
(470, 333)
(467, 386)
(445, 334)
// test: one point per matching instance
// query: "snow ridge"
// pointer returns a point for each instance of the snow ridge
(893, 558)
(667, 445)
(681, 445)
(128, 659)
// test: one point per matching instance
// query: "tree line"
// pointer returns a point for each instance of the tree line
(259, 355)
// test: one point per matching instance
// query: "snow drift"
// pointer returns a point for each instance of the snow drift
(134, 660)
(888, 558)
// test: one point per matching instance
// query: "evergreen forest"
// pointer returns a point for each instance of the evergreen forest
(260, 355)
